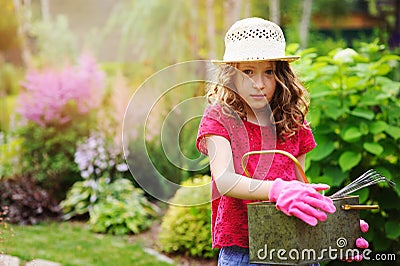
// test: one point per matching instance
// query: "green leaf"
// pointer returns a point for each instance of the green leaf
(363, 113)
(377, 127)
(313, 117)
(373, 148)
(336, 176)
(335, 112)
(351, 134)
(362, 194)
(323, 179)
(348, 160)
(364, 128)
(381, 69)
(325, 147)
(393, 132)
(389, 57)
(392, 229)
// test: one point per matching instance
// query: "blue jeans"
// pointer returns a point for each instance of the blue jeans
(238, 256)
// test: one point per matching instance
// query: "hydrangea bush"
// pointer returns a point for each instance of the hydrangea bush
(355, 117)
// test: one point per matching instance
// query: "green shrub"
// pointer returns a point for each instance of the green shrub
(7, 116)
(98, 160)
(187, 230)
(80, 198)
(115, 207)
(121, 209)
(47, 154)
(355, 116)
(10, 76)
(9, 154)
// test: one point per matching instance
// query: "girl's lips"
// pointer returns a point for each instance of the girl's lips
(257, 96)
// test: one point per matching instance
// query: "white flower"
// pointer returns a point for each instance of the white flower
(90, 169)
(346, 56)
(85, 174)
(122, 167)
(93, 198)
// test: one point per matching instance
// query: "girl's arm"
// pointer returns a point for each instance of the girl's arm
(302, 160)
(228, 182)
(291, 197)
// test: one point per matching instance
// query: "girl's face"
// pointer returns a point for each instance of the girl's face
(258, 88)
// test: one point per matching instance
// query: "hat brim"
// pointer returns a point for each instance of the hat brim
(286, 58)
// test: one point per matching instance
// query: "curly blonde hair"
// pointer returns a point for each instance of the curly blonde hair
(289, 104)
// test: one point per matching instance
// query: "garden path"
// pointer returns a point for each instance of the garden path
(7, 260)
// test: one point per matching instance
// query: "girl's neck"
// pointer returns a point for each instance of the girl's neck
(260, 117)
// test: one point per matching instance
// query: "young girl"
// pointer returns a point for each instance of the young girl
(257, 103)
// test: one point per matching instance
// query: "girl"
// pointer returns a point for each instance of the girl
(257, 103)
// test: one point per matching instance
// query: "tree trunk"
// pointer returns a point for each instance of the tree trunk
(194, 24)
(212, 47)
(232, 12)
(247, 9)
(274, 11)
(305, 22)
(45, 7)
(23, 18)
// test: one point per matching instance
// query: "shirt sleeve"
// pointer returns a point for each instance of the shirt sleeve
(307, 141)
(209, 126)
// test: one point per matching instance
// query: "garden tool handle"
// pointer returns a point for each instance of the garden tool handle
(285, 153)
(347, 207)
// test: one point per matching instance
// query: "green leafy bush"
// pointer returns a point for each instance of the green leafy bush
(80, 198)
(9, 154)
(187, 230)
(10, 76)
(111, 202)
(115, 207)
(96, 157)
(121, 209)
(355, 116)
(47, 154)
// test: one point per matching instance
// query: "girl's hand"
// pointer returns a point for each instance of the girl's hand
(301, 200)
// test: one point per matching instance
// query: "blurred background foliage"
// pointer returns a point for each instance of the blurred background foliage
(349, 63)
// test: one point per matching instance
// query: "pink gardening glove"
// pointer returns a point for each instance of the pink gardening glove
(301, 200)
(360, 242)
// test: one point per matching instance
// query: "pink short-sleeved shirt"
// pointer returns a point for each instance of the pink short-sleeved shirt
(229, 215)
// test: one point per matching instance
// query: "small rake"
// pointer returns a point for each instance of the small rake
(369, 178)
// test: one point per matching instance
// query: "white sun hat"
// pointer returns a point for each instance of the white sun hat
(255, 39)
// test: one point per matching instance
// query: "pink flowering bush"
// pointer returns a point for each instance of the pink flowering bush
(59, 106)
(54, 97)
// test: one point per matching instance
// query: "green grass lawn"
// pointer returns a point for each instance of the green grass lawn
(72, 244)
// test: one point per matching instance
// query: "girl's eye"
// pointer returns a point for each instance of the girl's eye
(248, 71)
(269, 72)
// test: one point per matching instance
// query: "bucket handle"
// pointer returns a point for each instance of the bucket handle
(287, 154)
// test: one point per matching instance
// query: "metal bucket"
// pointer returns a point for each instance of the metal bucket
(275, 238)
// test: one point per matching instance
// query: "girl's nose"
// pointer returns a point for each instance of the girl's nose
(258, 82)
